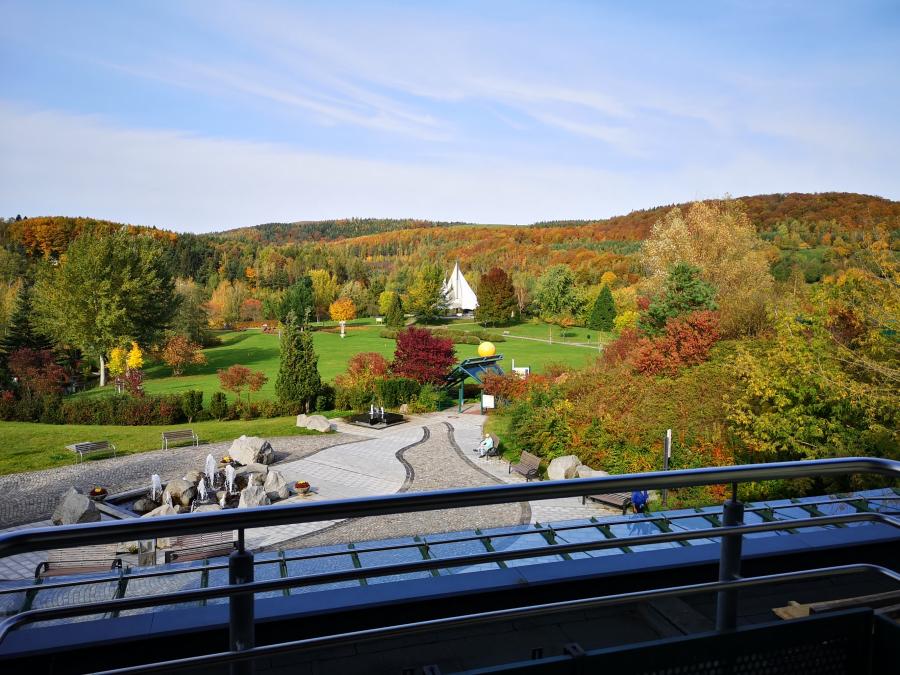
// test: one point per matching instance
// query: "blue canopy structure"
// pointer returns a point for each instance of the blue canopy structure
(474, 368)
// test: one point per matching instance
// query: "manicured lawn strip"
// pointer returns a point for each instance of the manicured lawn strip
(27, 446)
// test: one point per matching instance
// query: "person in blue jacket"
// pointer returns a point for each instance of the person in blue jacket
(639, 499)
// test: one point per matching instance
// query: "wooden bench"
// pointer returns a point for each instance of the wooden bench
(88, 447)
(495, 451)
(621, 500)
(200, 546)
(81, 560)
(528, 465)
(179, 435)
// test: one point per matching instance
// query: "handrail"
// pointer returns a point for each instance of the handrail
(446, 623)
(538, 529)
(24, 541)
(122, 604)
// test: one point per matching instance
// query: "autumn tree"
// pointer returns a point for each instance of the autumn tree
(325, 290)
(425, 297)
(422, 356)
(342, 310)
(496, 298)
(36, 371)
(179, 352)
(226, 301)
(603, 314)
(235, 378)
(107, 288)
(683, 292)
(718, 239)
(298, 381)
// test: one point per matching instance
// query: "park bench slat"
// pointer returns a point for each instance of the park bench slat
(528, 465)
(200, 546)
(618, 499)
(79, 560)
(87, 447)
(179, 435)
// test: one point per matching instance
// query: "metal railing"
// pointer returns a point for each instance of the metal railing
(241, 588)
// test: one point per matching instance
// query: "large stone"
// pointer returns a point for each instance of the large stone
(318, 423)
(144, 505)
(255, 495)
(251, 468)
(252, 450)
(404, 409)
(207, 507)
(563, 467)
(181, 491)
(75, 507)
(164, 510)
(276, 486)
(193, 476)
(301, 420)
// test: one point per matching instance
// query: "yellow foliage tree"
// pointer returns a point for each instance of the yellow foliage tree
(117, 362)
(608, 279)
(135, 359)
(342, 309)
(719, 239)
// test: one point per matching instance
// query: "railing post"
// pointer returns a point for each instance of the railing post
(729, 563)
(240, 606)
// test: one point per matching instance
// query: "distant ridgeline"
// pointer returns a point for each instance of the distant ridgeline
(808, 230)
(325, 230)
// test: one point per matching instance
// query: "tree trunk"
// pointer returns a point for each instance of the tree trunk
(102, 371)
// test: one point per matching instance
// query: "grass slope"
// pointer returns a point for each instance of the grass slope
(28, 446)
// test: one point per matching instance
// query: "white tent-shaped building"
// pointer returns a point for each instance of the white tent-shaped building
(457, 292)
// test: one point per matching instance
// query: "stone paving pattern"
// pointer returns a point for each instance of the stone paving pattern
(31, 496)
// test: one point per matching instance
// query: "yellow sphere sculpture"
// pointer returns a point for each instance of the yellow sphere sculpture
(486, 349)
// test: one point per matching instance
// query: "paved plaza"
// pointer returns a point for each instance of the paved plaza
(429, 452)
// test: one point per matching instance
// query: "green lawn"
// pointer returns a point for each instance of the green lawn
(29, 446)
(259, 351)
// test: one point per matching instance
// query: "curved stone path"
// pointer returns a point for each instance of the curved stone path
(435, 463)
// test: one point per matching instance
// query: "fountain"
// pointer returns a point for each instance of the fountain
(377, 418)
(229, 479)
(155, 487)
(167, 499)
(201, 491)
(210, 471)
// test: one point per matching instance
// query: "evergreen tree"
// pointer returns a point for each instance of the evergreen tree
(300, 300)
(684, 292)
(603, 315)
(20, 331)
(395, 318)
(496, 298)
(298, 380)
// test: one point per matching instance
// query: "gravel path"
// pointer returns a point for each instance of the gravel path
(32, 496)
(435, 463)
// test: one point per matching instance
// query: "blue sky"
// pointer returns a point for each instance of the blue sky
(209, 115)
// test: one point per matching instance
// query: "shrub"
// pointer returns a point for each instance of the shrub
(395, 391)
(191, 403)
(389, 333)
(686, 342)
(218, 406)
(117, 410)
(353, 398)
(325, 399)
(180, 352)
(428, 400)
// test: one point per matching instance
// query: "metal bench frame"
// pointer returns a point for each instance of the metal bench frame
(201, 546)
(81, 560)
(179, 435)
(528, 465)
(87, 447)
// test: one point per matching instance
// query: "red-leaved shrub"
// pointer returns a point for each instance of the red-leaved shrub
(422, 357)
(686, 342)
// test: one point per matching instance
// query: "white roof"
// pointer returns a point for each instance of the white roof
(458, 293)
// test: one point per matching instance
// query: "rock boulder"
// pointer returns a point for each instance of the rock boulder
(252, 450)
(207, 507)
(563, 467)
(276, 486)
(404, 409)
(318, 423)
(301, 420)
(164, 510)
(192, 476)
(75, 507)
(181, 491)
(144, 505)
(255, 495)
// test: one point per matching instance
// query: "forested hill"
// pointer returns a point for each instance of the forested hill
(851, 210)
(325, 230)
